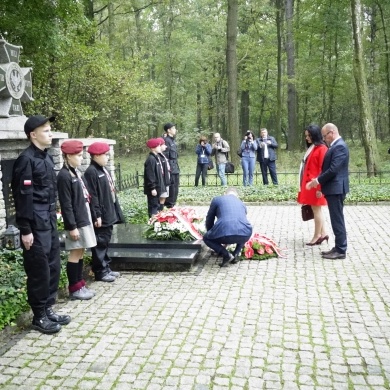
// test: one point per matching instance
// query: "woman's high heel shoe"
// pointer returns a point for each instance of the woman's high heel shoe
(322, 239)
(319, 241)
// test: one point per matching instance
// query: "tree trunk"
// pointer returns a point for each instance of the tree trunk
(387, 65)
(198, 107)
(231, 64)
(367, 130)
(279, 30)
(293, 139)
(244, 115)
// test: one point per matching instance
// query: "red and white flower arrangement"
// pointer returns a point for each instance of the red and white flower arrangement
(182, 224)
(261, 247)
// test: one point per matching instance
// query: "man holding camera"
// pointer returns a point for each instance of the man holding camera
(266, 156)
(220, 149)
(248, 157)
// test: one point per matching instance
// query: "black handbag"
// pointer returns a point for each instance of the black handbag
(211, 164)
(307, 212)
(229, 166)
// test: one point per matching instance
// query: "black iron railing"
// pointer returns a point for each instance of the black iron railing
(135, 180)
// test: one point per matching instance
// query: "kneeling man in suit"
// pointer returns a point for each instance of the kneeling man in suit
(334, 182)
(231, 226)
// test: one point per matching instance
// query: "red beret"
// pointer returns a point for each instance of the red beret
(153, 143)
(162, 140)
(98, 148)
(72, 146)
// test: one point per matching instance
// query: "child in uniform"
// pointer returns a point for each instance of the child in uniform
(74, 200)
(154, 185)
(105, 209)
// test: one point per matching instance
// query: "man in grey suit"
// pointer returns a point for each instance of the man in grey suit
(231, 227)
(334, 180)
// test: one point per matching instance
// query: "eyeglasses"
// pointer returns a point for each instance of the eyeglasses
(325, 135)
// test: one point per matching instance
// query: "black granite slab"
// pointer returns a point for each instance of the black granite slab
(130, 250)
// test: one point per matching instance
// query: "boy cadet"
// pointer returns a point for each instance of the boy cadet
(34, 191)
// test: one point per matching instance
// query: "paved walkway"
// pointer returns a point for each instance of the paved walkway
(295, 323)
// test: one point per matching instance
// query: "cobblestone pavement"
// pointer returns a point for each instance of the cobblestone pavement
(295, 323)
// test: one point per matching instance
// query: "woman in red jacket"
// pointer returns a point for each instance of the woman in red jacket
(311, 166)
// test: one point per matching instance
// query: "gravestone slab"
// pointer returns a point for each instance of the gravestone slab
(130, 250)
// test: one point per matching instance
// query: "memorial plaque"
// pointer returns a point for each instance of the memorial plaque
(15, 82)
(6, 169)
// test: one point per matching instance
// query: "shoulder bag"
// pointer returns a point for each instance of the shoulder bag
(229, 166)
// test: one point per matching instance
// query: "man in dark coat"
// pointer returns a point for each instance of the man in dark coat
(334, 180)
(172, 155)
(34, 190)
(266, 156)
(231, 227)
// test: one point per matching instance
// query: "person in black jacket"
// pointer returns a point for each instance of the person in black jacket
(172, 155)
(74, 200)
(166, 173)
(105, 209)
(34, 190)
(154, 184)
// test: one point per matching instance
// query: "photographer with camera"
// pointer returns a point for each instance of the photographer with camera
(248, 157)
(266, 156)
(203, 151)
(219, 149)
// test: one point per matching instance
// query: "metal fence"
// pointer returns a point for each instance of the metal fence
(135, 180)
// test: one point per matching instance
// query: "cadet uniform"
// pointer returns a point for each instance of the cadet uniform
(104, 204)
(34, 191)
(172, 156)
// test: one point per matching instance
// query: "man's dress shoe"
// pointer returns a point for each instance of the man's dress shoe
(334, 256)
(328, 252)
(225, 262)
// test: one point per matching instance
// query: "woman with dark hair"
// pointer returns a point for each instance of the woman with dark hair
(203, 151)
(311, 166)
(248, 158)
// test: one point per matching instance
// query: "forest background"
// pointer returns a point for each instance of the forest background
(122, 68)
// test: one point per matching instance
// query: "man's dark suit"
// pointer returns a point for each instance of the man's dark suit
(231, 227)
(270, 162)
(334, 182)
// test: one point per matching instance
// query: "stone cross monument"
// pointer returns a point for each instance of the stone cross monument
(15, 82)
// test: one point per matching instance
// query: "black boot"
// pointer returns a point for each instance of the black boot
(62, 319)
(41, 323)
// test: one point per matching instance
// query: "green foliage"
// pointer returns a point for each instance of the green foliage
(133, 203)
(13, 293)
(63, 283)
(13, 296)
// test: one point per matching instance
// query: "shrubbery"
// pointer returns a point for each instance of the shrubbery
(13, 297)
(13, 294)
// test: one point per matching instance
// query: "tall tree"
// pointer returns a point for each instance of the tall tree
(293, 139)
(231, 65)
(367, 125)
(279, 30)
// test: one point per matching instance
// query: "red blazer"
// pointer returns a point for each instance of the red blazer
(312, 170)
